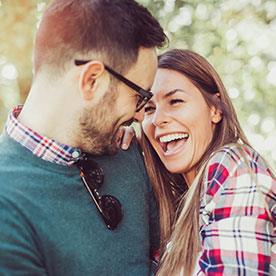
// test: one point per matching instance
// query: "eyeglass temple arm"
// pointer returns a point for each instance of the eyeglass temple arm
(135, 87)
(94, 197)
(132, 85)
(92, 194)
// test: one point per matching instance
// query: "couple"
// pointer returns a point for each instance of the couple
(69, 208)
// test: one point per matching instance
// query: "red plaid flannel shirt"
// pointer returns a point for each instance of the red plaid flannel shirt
(237, 215)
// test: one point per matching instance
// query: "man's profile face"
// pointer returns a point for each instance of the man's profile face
(100, 125)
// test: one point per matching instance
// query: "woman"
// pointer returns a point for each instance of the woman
(199, 159)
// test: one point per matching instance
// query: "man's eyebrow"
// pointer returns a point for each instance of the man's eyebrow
(168, 94)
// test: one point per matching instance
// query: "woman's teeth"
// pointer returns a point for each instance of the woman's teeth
(172, 142)
(171, 137)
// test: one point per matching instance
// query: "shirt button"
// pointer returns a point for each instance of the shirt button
(273, 248)
(75, 154)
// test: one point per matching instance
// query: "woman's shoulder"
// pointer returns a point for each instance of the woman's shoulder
(237, 179)
(236, 165)
(237, 158)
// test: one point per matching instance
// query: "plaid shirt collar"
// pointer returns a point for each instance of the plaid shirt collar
(41, 146)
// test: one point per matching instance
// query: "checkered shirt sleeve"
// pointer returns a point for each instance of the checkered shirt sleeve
(237, 215)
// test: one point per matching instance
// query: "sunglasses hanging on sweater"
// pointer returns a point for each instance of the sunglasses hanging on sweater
(108, 206)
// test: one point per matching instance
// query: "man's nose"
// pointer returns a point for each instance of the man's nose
(139, 116)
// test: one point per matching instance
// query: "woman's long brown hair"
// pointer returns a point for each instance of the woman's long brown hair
(180, 225)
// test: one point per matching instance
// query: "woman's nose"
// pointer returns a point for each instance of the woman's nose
(159, 118)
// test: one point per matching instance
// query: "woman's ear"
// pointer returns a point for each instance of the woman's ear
(90, 73)
(216, 113)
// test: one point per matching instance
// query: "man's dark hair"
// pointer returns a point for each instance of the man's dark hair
(112, 29)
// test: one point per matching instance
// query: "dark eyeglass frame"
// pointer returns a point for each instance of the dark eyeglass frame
(108, 206)
(145, 95)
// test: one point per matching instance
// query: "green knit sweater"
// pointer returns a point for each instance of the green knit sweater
(50, 226)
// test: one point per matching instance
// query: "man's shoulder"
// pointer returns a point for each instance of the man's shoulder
(6, 150)
(133, 154)
(13, 167)
(7, 144)
(124, 157)
(10, 151)
(127, 164)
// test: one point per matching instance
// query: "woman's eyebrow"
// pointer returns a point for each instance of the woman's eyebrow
(170, 93)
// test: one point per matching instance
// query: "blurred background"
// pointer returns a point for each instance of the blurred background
(238, 37)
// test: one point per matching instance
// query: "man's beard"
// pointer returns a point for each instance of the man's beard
(97, 127)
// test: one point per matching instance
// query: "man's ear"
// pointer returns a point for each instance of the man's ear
(88, 78)
(216, 113)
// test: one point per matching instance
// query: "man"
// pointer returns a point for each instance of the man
(66, 206)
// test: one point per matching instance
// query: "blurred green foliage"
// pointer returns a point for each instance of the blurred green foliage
(237, 36)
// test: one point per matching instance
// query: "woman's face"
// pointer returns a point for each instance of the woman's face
(178, 122)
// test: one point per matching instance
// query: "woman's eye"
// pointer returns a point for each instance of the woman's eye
(176, 101)
(149, 109)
